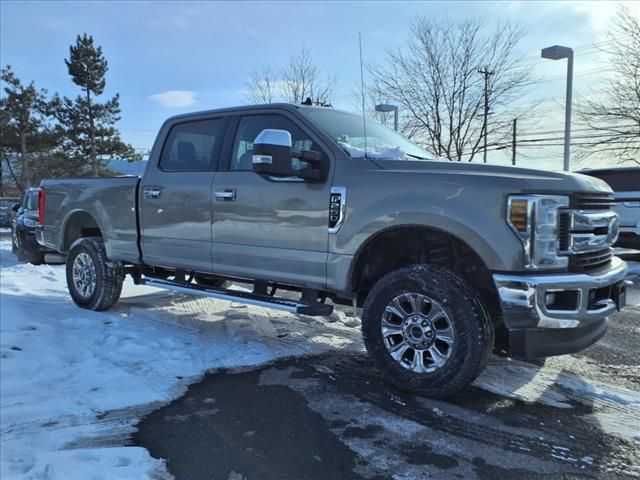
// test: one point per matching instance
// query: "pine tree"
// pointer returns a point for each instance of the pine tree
(88, 125)
(26, 133)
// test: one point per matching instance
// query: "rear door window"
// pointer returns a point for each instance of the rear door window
(193, 146)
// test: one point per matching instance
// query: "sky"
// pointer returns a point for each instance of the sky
(170, 57)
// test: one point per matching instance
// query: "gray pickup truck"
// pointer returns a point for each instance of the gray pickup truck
(449, 261)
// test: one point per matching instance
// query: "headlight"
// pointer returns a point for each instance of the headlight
(534, 218)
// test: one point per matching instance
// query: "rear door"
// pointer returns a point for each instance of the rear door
(176, 196)
(265, 227)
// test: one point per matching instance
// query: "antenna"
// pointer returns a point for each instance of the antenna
(364, 118)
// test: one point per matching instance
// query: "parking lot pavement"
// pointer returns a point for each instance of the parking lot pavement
(332, 417)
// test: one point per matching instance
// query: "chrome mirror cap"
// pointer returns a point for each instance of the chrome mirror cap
(269, 136)
(262, 159)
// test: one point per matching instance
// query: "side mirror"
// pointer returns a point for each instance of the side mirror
(272, 153)
(16, 207)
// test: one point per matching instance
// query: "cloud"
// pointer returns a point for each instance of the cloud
(175, 98)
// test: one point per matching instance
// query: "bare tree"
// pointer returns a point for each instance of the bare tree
(262, 86)
(375, 95)
(435, 79)
(302, 78)
(614, 115)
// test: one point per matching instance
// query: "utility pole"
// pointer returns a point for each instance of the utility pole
(513, 142)
(486, 73)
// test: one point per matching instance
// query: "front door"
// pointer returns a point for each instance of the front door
(266, 227)
(176, 197)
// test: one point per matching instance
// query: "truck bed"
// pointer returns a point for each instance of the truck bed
(111, 201)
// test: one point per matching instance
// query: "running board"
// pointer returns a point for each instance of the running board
(265, 301)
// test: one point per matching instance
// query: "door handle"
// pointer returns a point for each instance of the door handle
(227, 195)
(151, 192)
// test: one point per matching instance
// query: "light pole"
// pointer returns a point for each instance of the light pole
(386, 107)
(557, 52)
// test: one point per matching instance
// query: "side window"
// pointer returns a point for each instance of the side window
(192, 146)
(251, 126)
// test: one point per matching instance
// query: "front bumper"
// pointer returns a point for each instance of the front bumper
(540, 325)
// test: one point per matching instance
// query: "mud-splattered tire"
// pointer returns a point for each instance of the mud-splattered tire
(427, 330)
(93, 281)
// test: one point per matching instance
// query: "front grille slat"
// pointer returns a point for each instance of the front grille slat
(590, 260)
(592, 201)
(564, 230)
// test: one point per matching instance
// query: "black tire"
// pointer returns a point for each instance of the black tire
(33, 258)
(14, 247)
(212, 282)
(466, 316)
(109, 276)
(24, 255)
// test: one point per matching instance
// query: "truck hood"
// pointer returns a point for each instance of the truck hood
(527, 179)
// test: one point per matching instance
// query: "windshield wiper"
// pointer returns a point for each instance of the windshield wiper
(415, 156)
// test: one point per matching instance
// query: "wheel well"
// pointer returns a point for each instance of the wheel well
(79, 225)
(403, 246)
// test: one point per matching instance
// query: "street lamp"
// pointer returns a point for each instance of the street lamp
(557, 52)
(386, 108)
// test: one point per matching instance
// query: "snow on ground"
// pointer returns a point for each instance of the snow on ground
(74, 382)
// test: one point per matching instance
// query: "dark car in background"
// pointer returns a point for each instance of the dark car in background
(625, 182)
(23, 223)
(6, 205)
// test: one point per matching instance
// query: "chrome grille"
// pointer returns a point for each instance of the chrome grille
(583, 229)
(590, 260)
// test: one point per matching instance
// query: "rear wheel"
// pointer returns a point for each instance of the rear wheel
(427, 330)
(93, 281)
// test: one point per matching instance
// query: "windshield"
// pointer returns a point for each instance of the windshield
(381, 142)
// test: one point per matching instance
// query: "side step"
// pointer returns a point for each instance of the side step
(314, 310)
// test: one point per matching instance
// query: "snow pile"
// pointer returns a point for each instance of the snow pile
(381, 153)
(74, 383)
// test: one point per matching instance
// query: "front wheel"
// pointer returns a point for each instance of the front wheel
(93, 281)
(427, 330)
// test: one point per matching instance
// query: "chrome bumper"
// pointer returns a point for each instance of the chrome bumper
(524, 297)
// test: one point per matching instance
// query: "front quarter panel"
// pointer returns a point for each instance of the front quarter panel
(469, 207)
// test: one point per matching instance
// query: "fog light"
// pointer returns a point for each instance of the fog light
(562, 300)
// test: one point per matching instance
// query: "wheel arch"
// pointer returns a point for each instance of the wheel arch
(78, 224)
(399, 246)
